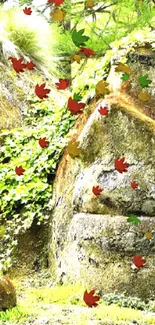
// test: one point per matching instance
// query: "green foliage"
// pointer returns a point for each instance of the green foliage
(125, 77)
(79, 39)
(31, 37)
(131, 302)
(28, 197)
(144, 81)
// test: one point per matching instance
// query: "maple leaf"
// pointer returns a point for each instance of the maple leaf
(27, 11)
(56, 2)
(134, 219)
(125, 76)
(77, 37)
(73, 149)
(148, 235)
(134, 185)
(144, 81)
(86, 51)
(17, 64)
(77, 97)
(144, 96)
(43, 142)
(90, 4)
(96, 190)
(58, 15)
(123, 68)
(74, 106)
(101, 88)
(30, 65)
(90, 299)
(19, 170)
(41, 92)
(103, 110)
(62, 84)
(76, 58)
(138, 261)
(120, 165)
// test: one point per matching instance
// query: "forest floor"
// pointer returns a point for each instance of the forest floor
(40, 303)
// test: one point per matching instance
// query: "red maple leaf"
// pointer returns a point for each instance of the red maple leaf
(86, 51)
(19, 170)
(103, 110)
(43, 142)
(74, 106)
(134, 185)
(96, 190)
(17, 64)
(30, 65)
(138, 261)
(56, 2)
(63, 84)
(89, 299)
(27, 11)
(120, 165)
(41, 92)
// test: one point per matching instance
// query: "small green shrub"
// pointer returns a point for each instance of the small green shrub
(131, 302)
(28, 197)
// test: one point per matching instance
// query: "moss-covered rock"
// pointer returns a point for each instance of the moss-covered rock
(100, 253)
(7, 294)
(100, 250)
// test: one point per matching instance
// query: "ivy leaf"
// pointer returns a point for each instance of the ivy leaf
(90, 299)
(134, 219)
(90, 4)
(144, 81)
(102, 88)
(96, 190)
(79, 39)
(58, 15)
(125, 76)
(77, 97)
(121, 67)
(148, 235)
(139, 261)
(120, 165)
(27, 11)
(86, 51)
(144, 96)
(76, 58)
(73, 149)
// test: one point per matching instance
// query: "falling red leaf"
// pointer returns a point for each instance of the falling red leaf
(63, 84)
(89, 299)
(120, 165)
(19, 170)
(134, 185)
(30, 65)
(74, 106)
(103, 110)
(56, 2)
(43, 142)
(17, 64)
(86, 51)
(41, 92)
(27, 11)
(138, 261)
(96, 190)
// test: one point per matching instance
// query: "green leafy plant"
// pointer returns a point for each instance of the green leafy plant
(28, 197)
(131, 302)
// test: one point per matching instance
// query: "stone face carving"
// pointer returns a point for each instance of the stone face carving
(93, 243)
